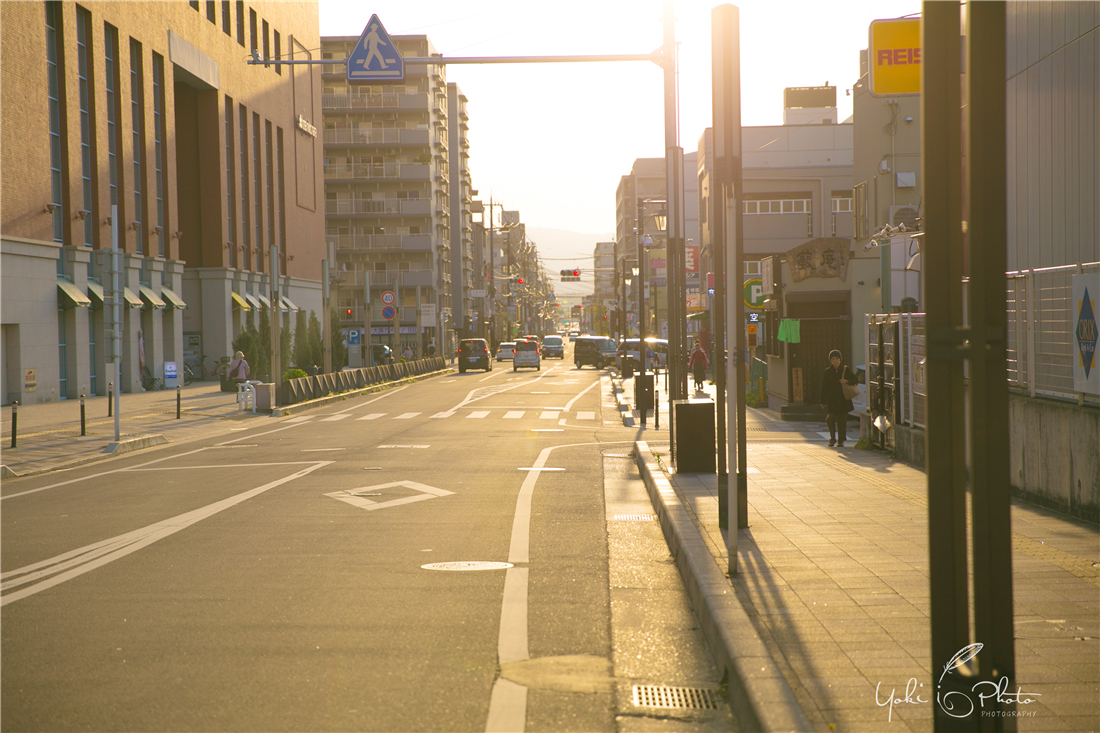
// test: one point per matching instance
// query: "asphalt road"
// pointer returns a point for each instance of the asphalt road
(276, 580)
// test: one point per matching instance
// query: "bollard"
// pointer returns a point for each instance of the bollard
(177, 402)
(83, 426)
(110, 397)
(657, 408)
(761, 390)
(14, 421)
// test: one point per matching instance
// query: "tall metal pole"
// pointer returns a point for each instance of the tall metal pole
(326, 320)
(116, 314)
(941, 117)
(987, 262)
(276, 316)
(674, 202)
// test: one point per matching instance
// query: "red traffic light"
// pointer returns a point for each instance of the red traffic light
(519, 281)
(576, 273)
(348, 311)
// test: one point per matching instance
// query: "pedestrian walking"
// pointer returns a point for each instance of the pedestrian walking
(698, 364)
(836, 403)
(238, 368)
(407, 354)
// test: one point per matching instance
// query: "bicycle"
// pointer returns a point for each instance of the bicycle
(199, 372)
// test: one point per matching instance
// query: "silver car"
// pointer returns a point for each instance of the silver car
(527, 355)
(505, 350)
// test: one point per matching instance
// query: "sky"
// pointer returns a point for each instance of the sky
(553, 140)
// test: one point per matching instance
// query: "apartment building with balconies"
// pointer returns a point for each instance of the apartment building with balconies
(464, 314)
(387, 170)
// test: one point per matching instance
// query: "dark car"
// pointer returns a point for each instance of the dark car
(474, 354)
(599, 351)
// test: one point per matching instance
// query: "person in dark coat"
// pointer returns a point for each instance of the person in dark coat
(836, 405)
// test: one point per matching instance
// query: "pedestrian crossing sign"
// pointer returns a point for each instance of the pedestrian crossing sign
(375, 57)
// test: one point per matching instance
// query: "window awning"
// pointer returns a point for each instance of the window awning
(151, 298)
(70, 295)
(95, 290)
(288, 305)
(239, 301)
(253, 301)
(698, 315)
(172, 299)
(265, 300)
(131, 298)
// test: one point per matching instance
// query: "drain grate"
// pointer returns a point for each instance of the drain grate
(680, 698)
(634, 517)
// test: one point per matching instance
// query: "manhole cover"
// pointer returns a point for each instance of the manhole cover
(634, 517)
(467, 565)
(659, 696)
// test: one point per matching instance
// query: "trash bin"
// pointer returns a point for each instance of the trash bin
(695, 436)
(265, 397)
(628, 368)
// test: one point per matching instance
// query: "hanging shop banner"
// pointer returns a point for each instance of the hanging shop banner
(894, 57)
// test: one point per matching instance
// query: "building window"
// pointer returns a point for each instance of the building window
(859, 209)
(194, 4)
(266, 42)
(282, 191)
(212, 11)
(779, 206)
(230, 188)
(252, 29)
(54, 89)
(278, 52)
(111, 79)
(240, 22)
(137, 120)
(227, 18)
(62, 358)
(244, 178)
(842, 204)
(752, 268)
(159, 131)
(83, 29)
(257, 171)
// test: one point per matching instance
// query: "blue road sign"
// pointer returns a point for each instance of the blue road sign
(374, 57)
(354, 337)
(389, 312)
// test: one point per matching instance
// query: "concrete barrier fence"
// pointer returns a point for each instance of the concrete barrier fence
(310, 388)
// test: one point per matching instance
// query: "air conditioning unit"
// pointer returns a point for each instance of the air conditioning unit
(906, 215)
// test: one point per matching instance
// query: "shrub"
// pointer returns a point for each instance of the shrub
(293, 374)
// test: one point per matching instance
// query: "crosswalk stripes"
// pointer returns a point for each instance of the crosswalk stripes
(536, 413)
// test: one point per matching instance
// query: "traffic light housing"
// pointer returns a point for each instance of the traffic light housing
(570, 276)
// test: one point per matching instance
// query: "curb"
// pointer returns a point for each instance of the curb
(6, 472)
(129, 444)
(621, 402)
(759, 696)
(340, 396)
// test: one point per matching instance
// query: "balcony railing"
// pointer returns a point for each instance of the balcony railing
(349, 171)
(379, 242)
(384, 136)
(412, 100)
(404, 207)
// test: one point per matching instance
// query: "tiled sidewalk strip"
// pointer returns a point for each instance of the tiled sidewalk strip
(758, 693)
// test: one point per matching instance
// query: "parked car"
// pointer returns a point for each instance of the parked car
(553, 346)
(506, 350)
(526, 355)
(474, 354)
(599, 351)
(628, 349)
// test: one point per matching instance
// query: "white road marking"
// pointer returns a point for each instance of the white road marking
(404, 446)
(540, 469)
(586, 416)
(299, 419)
(448, 413)
(320, 450)
(513, 414)
(407, 416)
(355, 496)
(75, 563)
(372, 416)
(335, 417)
(547, 415)
(547, 430)
(477, 415)
(569, 405)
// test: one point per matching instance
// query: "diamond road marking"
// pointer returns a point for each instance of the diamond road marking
(355, 496)
(373, 416)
